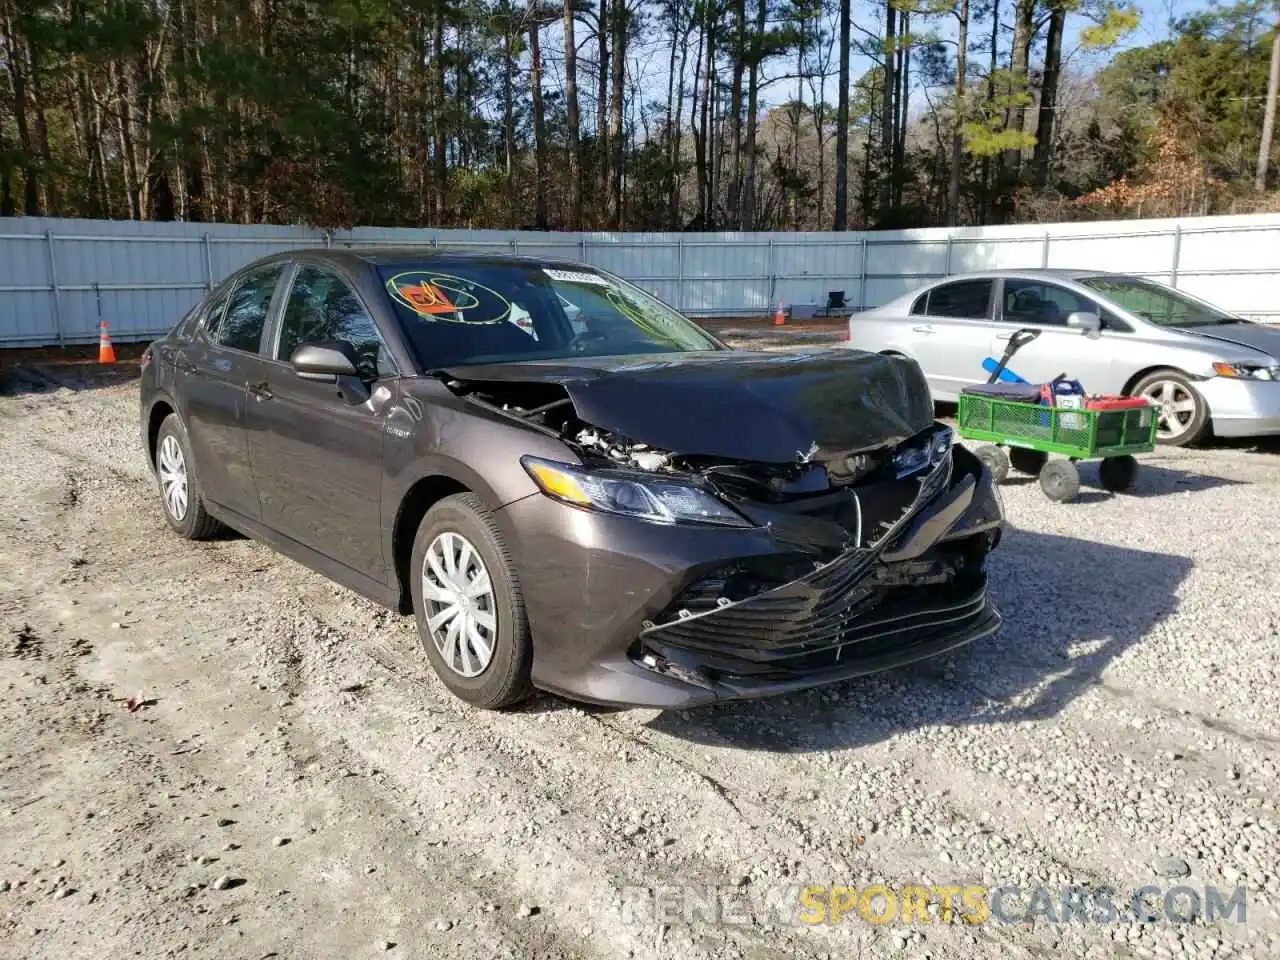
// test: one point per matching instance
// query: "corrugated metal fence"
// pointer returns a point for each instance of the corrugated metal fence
(58, 277)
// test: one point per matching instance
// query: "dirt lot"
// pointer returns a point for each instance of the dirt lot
(294, 782)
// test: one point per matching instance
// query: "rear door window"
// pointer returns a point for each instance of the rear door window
(247, 310)
(212, 318)
(964, 299)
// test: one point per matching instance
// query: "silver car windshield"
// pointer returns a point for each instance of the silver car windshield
(1157, 303)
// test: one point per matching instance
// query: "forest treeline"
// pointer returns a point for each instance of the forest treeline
(632, 114)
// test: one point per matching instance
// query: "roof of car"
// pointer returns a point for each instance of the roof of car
(382, 255)
(1061, 273)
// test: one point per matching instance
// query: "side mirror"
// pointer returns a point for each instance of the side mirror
(323, 362)
(1084, 322)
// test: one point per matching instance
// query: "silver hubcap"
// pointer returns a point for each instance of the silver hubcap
(172, 467)
(458, 597)
(1175, 407)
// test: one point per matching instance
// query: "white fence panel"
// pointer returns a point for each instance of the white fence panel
(58, 277)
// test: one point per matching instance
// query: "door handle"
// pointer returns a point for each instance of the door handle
(259, 391)
(923, 328)
(1004, 336)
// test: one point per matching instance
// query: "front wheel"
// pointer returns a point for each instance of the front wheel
(1060, 480)
(996, 460)
(1181, 413)
(467, 600)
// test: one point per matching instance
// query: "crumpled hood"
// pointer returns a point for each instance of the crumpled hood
(1255, 335)
(768, 407)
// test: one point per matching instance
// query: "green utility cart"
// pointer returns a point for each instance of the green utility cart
(1032, 431)
(1021, 431)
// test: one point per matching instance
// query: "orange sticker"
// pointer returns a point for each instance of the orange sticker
(426, 298)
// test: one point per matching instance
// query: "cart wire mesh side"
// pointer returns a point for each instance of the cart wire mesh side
(1080, 434)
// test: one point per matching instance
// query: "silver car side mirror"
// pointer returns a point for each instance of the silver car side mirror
(1086, 323)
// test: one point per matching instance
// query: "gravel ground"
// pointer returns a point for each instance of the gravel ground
(207, 750)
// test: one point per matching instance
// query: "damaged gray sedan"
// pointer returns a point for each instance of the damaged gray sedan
(570, 485)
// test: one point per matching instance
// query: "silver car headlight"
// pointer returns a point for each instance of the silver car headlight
(1247, 371)
(631, 495)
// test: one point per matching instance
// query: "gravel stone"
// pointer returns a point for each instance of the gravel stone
(1169, 866)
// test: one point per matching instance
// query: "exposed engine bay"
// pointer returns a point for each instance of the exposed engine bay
(812, 471)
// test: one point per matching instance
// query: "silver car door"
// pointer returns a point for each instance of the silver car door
(1087, 357)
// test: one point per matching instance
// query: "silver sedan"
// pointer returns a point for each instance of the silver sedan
(1117, 334)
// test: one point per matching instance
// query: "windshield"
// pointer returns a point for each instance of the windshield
(462, 313)
(1157, 303)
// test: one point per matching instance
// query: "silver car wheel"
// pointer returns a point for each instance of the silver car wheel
(458, 596)
(1176, 407)
(172, 467)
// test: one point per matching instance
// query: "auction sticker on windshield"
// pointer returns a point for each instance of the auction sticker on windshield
(443, 296)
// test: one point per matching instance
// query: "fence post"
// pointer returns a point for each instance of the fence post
(208, 262)
(515, 247)
(1177, 254)
(1044, 251)
(53, 288)
(328, 239)
(773, 278)
(862, 275)
(680, 298)
(950, 238)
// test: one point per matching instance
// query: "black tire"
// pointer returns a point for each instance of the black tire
(1027, 461)
(1060, 480)
(996, 460)
(1192, 428)
(1118, 474)
(195, 523)
(505, 679)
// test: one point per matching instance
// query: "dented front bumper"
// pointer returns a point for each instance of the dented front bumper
(624, 611)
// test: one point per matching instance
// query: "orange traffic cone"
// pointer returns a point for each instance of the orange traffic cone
(779, 318)
(106, 352)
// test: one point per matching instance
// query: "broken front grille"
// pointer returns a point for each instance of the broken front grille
(845, 602)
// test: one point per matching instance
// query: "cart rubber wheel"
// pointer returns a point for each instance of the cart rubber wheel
(1118, 473)
(1028, 461)
(1060, 480)
(996, 460)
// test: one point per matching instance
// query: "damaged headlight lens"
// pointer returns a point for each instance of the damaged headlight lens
(921, 452)
(647, 498)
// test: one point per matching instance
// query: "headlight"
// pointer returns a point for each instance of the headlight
(921, 452)
(631, 495)
(1246, 371)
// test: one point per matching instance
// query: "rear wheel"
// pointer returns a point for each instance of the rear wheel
(1118, 473)
(1027, 461)
(1060, 480)
(996, 460)
(467, 600)
(1181, 413)
(179, 486)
